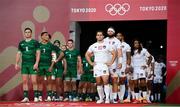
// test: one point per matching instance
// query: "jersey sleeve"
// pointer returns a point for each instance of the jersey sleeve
(119, 45)
(19, 47)
(128, 48)
(147, 54)
(37, 45)
(90, 49)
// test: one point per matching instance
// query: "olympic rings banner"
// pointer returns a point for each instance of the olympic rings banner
(108, 10)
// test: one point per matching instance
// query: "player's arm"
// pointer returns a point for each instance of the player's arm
(79, 65)
(18, 55)
(119, 56)
(65, 66)
(113, 53)
(60, 57)
(149, 60)
(88, 56)
(38, 53)
(53, 61)
(128, 62)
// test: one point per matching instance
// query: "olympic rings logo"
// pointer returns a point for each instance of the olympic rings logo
(117, 8)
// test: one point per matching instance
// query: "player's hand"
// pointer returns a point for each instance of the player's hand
(144, 67)
(92, 64)
(127, 70)
(35, 67)
(64, 72)
(119, 66)
(50, 69)
(17, 67)
(108, 63)
(150, 75)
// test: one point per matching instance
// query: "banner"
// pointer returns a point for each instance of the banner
(110, 10)
(15, 16)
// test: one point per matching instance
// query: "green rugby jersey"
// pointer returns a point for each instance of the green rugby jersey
(46, 51)
(86, 66)
(28, 50)
(71, 57)
(58, 51)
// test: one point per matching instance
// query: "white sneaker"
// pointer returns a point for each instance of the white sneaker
(66, 99)
(107, 101)
(99, 101)
(25, 100)
(75, 99)
(48, 99)
(36, 99)
(40, 98)
(60, 98)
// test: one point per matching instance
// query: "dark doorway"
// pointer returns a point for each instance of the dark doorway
(153, 33)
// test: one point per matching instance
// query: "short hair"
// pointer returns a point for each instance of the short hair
(70, 40)
(44, 33)
(57, 41)
(49, 36)
(100, 31)
(28, 29)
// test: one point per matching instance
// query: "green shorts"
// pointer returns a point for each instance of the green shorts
(71, 74)
(88, 77)
(43, 71)
(58, 72)
(28, 69)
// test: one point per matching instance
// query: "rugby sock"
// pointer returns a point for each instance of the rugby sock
(159, 97)
(129, 94)
(35, 93)
(133, 94)
(114, 95)
(107, 91)
(122, 88)
(100, 92)
(25, 93)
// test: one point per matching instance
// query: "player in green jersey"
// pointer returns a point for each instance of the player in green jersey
(73, 65)
(84, 84)
(47, 60)
(28, 51)
(59, 69)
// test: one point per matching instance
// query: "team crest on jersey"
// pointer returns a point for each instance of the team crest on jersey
(122, 46)
(104, 71)
(95, 47)
(104, 47)
(141, 74)
(113, 42)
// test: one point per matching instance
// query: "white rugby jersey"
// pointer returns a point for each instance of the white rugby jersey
(125, 48)
(139, 59)
(158, 68)
(101, 52)
(115, 44)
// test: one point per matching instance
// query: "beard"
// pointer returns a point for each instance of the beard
(111, 36)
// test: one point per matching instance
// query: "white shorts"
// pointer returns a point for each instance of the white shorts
(138, 73)
(158, 79)
(121, 72)
(100, 70)
(113, 71)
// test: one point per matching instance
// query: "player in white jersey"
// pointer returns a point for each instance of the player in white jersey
(159, 67)
(149, 78)
(126, 61)
(115, 43)
(101, 51)
(140, 63)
